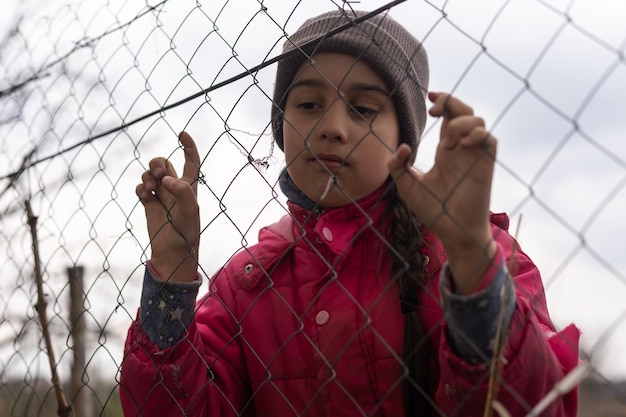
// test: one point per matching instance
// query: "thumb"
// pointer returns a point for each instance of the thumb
(409, 181)
(399, 162)
(179, 188)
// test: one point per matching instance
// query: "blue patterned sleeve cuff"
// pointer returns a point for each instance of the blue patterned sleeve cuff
(167, 308)
(473, 319)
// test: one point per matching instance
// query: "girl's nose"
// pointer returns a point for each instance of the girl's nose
(333, 123)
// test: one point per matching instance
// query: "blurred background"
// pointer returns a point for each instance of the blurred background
(90, 91)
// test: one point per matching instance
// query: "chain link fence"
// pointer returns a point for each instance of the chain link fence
(91, 91)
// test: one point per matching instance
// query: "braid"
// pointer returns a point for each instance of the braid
(408, 267)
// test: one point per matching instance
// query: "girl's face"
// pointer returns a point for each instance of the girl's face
(339, 119)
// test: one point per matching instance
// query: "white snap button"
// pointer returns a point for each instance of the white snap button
(426, 260)
(248, 268)
(322, 317)
(327, 233)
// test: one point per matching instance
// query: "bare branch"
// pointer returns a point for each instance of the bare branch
(64, 410)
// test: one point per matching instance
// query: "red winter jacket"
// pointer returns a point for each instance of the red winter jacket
(305, 323)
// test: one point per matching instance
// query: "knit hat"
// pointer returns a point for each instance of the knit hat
(385, 45)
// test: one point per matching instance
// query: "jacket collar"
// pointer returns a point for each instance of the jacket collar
(294, 194)
(336, 228)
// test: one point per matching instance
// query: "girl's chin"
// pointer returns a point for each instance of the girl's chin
(330, 195)
(335, 198)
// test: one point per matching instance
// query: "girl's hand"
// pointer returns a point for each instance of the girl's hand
(452, 199)
(172, 214)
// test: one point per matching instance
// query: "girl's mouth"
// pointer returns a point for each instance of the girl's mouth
(330, 161)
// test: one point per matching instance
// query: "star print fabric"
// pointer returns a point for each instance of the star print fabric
(167, 309)
(472, 319)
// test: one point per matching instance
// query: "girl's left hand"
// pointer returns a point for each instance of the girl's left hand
(452, 199)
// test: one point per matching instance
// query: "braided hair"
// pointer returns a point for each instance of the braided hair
(408, 268)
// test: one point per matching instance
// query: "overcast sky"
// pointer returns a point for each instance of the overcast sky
(548, 77)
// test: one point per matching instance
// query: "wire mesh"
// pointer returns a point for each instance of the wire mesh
(91, 91)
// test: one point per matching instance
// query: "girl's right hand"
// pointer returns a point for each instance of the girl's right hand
(452, 199)
(172, 214)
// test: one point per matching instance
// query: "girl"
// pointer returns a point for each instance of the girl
(384, 291)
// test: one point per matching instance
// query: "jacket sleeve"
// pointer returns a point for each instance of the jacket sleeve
(536, 357)
(473, 320)
(201, 374)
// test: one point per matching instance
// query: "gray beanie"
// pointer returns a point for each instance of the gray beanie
(385, 45)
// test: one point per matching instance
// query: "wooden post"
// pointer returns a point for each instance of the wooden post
(81, 403)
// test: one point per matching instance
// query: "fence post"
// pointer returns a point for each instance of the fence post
(81, 398)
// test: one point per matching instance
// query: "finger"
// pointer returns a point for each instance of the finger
(145, 196)
(460, 128)
(184, 193)
(408, 180)
(400, 160)
(479, 138)
(448, 106)
(148, 181)
(151, 181)
(160, 167)
(400, 165)
(192, 159)
(141, 192)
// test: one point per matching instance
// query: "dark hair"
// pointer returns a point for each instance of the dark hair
(408, 268)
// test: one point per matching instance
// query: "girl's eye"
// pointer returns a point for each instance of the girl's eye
(364, 111)
(307, 105)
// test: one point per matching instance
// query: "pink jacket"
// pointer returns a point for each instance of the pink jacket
(305, 323)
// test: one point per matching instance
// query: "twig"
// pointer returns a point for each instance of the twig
(64, 410)
(498, 360)
(564, 386)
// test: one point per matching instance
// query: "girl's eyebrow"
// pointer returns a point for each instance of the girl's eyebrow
(369, 87)
(354, 87)
(308, 82)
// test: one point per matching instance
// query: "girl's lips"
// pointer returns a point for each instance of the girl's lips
(332, 162)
